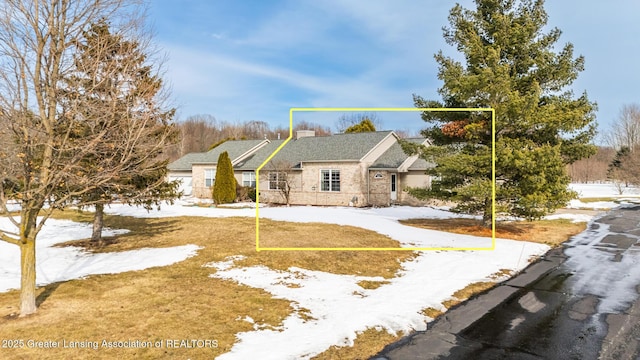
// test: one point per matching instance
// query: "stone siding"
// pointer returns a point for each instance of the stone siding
(306, 186)
(380, 188)
(200, 191)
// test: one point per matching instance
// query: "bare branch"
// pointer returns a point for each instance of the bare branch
(280, 178)
(625, 131)
(45, 140)
(4, 236)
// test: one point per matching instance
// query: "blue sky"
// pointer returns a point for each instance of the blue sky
(253, 60)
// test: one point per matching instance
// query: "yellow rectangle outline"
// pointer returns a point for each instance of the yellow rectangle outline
(493, 180)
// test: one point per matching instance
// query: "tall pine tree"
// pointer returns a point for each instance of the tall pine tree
(510, 65)
(115, 93)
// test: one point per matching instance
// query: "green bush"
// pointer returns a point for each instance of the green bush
(224, 187)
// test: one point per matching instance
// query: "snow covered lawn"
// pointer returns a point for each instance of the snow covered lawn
(339, 308)
(604, 190)
(54, 264)
(329, 309)
(608, 195)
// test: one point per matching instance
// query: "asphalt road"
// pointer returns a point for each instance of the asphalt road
(581, 301)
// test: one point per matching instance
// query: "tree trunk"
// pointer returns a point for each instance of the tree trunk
(28, 232)
(487, 214)
(28, 277)
(96, 235)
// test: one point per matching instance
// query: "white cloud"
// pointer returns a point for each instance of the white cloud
(255, 61)
(232, 83)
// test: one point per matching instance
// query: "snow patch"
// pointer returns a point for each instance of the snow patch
(603, 190)
(54, 264)
(339, 309)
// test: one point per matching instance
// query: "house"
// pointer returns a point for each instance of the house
(196, 171)
(356, 169)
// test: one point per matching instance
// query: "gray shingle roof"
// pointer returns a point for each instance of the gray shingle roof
(421, 164)
(256, 159)
(234, 148)
(338, 147)
(394, 156)
(184, 163)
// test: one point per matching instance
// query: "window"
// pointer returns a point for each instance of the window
(209, 177)
(277, 180)
(329, 180)
(249, 178)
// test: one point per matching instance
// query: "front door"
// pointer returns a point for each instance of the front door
(394, 193)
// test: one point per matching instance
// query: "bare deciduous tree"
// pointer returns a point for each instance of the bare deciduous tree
(632, 166)
(624, 136)
(197, 133)
(45, 163)
(280, 178)
(593, 168)
(625, 131)
(350, 119)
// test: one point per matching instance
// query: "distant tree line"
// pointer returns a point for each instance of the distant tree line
(624, 137)
(618, 161)
(594, 168)
(199, 133)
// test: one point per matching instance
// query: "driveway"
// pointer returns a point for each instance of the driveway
(581, 301)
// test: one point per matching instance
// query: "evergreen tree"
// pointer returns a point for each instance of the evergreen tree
(42, 161)
(625, 167)
(616, 163)
(510, 66)
(113, 88)
(224, 187)
(363, 126)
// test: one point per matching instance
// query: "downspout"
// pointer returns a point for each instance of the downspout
(368, 187)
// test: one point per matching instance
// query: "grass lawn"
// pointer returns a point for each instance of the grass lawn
(182, 302)
(550, 232)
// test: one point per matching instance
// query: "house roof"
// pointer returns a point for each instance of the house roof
(249, 154)
(421, 164)
(254, 160)
(235, 149)
(338, 147)
(184, 163)
(395, 156)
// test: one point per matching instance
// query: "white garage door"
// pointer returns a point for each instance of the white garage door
(185, 184)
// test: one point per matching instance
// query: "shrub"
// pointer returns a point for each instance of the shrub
(252, 194)
(224, 187)
(245, 193)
